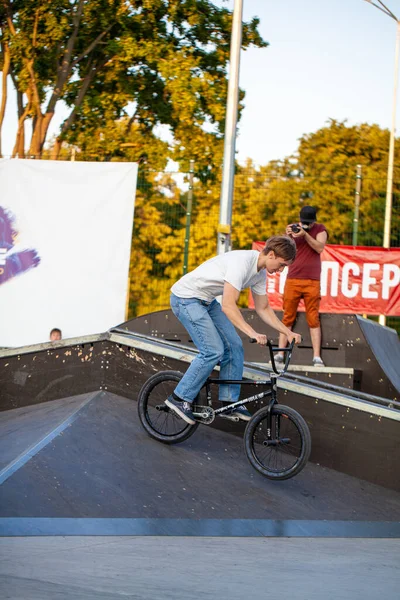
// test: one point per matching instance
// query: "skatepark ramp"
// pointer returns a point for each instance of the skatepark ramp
(385, 346)
(74, 459)
(358, 353)
(353, 433)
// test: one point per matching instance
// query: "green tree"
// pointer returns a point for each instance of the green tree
(166, 58)
(322, 173)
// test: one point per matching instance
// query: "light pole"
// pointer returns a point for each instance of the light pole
(189, 205)
(357, 205)
(389, 185)
(228, 172)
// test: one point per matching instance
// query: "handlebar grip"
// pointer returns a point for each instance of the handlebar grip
(274, 348)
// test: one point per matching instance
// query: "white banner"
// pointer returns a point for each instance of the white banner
(65, 239)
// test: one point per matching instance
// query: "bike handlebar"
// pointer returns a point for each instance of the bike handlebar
(272, 349)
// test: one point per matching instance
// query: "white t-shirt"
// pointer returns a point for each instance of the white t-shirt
(238, 267)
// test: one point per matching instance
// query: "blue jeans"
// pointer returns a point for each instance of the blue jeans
(217, 342)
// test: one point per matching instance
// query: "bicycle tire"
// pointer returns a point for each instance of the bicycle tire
(166, 426)
(281, 451)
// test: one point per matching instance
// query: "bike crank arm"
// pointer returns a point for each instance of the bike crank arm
(229, 417)
(204, 414)
(201, 415)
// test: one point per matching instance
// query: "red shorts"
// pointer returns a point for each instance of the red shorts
(309, 290)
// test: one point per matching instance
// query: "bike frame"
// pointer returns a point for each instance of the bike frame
(272, 382)
(271, 392)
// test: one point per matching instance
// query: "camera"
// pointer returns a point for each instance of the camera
(295, 228)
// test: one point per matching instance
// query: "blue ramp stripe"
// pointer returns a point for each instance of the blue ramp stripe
(23, 458)
(32, 526)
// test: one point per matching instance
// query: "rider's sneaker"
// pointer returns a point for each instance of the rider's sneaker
(241, 412)
(182, 409)
(318, 362)
(279, 359)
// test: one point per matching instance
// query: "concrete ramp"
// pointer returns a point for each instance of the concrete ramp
(25, 431)
(102, 465)
(353, 433)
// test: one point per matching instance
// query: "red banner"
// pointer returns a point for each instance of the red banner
(354, 279)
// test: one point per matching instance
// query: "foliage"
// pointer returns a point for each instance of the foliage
(165, 58)
(321, 173)
(124, 68)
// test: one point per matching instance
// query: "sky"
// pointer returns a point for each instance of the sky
(327, 59)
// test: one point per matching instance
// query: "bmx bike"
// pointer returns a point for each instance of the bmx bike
(277, 439)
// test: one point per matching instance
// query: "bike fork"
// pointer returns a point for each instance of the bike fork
(273, 401)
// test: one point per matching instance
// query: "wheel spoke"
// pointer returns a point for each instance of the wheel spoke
(164, 425)
(281, 457)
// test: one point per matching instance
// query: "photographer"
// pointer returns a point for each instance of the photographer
(303, 280)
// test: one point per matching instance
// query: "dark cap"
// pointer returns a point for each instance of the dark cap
(308, 214)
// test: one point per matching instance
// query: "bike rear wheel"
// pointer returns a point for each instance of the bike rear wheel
(160, 422)
(284, 452)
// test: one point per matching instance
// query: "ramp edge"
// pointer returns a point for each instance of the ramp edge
(23, 527)
(25, 457)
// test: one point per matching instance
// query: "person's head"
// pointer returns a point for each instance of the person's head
(308, 216)
(55, 335)
(279, 252)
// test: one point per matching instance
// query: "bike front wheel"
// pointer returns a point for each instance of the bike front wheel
(157, 419)
(283, 451)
